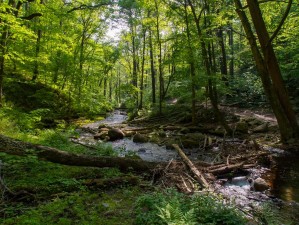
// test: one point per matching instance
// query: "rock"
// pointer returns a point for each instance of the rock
(259, 184)
(102, 126)
(115, 134)
(101, 135)
(139, 138)
(242, 127)
(261, 128)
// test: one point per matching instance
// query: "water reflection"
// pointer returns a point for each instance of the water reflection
(286, 178)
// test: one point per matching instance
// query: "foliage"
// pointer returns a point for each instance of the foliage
(241, 91)
(172, 207)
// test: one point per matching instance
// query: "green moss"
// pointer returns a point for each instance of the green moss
(83, 207)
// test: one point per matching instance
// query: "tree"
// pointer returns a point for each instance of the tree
(268, 67)
(12, 20)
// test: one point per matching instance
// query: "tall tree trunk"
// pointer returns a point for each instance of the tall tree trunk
(135, 63)
(192, 65)
(223, 61)
(153, 71)
(161, 79)
(142, 70)
(231, 46)
(269, 70)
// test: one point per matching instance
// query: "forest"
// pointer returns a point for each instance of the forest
(174, 112)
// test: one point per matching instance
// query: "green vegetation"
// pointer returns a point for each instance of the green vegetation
(172, 207)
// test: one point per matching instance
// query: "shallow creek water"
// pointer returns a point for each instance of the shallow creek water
(146, 151)
(283, 179)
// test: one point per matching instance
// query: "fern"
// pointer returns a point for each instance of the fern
(173, 215)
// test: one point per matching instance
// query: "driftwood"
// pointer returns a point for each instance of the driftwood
(16, 147)
(226, 169)
(198, 175)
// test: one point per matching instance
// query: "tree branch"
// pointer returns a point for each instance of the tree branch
(30, 17)
(84, 6)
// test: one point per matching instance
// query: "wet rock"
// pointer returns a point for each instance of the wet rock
(142, 150)
(242, 127)
(139, 138)
(261, 128)
(115, 134)
(259, 184)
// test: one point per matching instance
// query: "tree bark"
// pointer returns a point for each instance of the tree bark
(269, 70)
(16, 147)
(192, 65)
(153, 71)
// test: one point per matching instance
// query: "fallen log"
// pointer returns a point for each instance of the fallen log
(198, 175)
(16, 147)
(226, 169)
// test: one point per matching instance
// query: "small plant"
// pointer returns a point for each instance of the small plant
(172, 208)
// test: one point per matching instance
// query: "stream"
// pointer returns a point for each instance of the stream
(283, 178)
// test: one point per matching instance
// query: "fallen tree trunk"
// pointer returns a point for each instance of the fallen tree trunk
(198, 175)
(16, 147)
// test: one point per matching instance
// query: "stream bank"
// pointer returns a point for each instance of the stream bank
(281, 177)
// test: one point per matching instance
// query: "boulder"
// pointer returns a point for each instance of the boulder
(139, 138)
(259, 184)
(115, 134)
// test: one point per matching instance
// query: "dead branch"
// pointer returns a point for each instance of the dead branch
(198, 175)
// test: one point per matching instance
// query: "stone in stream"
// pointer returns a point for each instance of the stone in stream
(102, 126)
(139, 138)
(259, 184)
(102, 135)
(115, 134)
